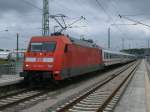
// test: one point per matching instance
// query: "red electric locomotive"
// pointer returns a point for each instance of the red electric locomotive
(59, 57)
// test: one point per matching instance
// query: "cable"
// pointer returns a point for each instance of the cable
(29, 3)
(117, 12)
(121, 32)
(100, 5)
(144, 14)
(147, 19)
(136, 21)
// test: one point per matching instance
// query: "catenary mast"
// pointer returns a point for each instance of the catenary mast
(45, 18)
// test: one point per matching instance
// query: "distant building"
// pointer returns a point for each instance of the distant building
(140, 52)
(5, 55)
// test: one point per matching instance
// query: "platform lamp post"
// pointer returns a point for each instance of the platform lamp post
(109, 34)
(109, 38)
(17, 47)
(123, 40)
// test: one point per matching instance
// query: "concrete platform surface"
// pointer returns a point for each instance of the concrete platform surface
(135, 98)
(10, 79)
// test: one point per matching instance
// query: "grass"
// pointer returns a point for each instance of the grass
(4, 61)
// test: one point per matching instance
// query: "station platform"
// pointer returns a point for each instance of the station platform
(10, 79)
(137, 95)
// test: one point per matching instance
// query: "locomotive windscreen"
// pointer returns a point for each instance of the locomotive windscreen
(42, 47)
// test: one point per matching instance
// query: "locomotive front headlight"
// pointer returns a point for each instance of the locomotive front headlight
(27, 65)
(56, 72)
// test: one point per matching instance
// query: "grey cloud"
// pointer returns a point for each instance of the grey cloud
(16, 5)
(20, 17)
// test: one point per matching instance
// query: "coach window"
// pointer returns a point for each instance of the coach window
(104, 55)
(107, 55)
(110, 55)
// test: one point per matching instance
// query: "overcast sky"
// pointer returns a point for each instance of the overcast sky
(20, 16)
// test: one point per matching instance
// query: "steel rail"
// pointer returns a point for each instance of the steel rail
(80, 98)
(16, 99)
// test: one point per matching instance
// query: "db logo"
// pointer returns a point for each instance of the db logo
(39, 59)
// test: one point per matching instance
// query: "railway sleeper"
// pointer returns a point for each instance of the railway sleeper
(84, 109)
(87, 105)
(72, 110)
(94, 103)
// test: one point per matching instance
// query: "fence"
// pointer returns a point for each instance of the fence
(7, 69)
(11, 68)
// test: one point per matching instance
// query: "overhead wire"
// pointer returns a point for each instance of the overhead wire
(133, 20)
(101, 6)
(112, 19)
(31, 4)
(117, 12)
(134, 15)
(116, 7)
(144, 14)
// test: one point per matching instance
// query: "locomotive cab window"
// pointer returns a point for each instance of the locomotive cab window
(42, 47)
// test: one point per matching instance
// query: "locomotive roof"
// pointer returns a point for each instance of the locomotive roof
(66, 39)
(83, 42)
(119, 53)
(76, 41)
(50, 38)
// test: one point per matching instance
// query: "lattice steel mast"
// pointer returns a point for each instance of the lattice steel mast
(45, 19)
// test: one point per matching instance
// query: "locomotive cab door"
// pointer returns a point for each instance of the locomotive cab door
(67, 61)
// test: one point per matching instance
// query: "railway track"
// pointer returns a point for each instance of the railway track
(10, 100)
(11, 89)
(18, 97)
(103, 96)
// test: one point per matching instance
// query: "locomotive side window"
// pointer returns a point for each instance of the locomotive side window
(42, 47)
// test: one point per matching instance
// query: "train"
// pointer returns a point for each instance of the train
(60, 57)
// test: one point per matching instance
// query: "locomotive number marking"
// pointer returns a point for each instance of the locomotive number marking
(39, 59)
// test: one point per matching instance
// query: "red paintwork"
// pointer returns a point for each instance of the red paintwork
(77, 56)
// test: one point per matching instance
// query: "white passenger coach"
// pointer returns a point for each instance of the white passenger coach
(111, 57)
